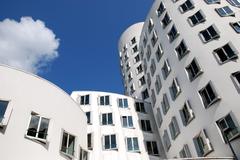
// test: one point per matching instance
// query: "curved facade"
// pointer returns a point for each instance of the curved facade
(119, 127)
(190, 53)
(38, 119)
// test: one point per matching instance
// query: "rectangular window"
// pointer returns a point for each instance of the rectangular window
(148, 52)
(3, 109)
(154, 38)
(225, 11)
(173, 34)
(209, 34)
(212, 1)
(175, 89)
(160, 9)
(166, 69)
(186, 113)
(202, 144)
(181, 50)
(142, 81)
(166, 20)
(83, 154)
(132, 144)
(127, 121)
(236, 26)
(90, 141)
(133, 40)
(139, 69)
(123, 103)
(159, 52)
(152, 148)
(104, 100)
(166, 140)
(174, 128)
(38, 127)
(225, 53)
(193, 70)
(185, 152)
(235, 3)
(152, 67)
(158, 84)
(109, 142)
(139, 106)
(153, 97)
(132, 88)
(107, 119)
(84, 100)
(146, 125)
(137, 58)
(159, 117)
(145, 94)
(88, 114)
(197, 18)
(68, 144)
(165, 104)
(150, 25)
(186, 6)
(236, 78)
(128, 65)
(135, 49)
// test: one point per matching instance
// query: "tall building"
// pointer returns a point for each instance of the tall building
(188, 50)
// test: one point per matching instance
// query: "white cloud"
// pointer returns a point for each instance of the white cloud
(27, 44)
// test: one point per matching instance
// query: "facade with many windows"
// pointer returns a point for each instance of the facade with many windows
(189, 51)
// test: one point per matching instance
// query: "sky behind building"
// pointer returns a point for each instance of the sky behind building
(88, 34)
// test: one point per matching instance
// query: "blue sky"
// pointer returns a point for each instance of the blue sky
(88, 31)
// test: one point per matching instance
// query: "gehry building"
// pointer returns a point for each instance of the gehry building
(184, 60)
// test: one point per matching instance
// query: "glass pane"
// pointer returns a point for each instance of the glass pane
(110, 121)
(125, 103)
(107, 100)
(120, 103)
(155, 149)
(43, 128)
(130, 122)
(71, 144)
(135, 144)
(88, 117)
(149, 147)
(82, 100)
(124, 121)
(148, 126)
(228, 50)
(32, 130)
(104, 119)
(85, 155)
(3, 107)
(102, 100)
(129, 144)
(64, 143)
(87, 99)
(107, 142)
(113, 141)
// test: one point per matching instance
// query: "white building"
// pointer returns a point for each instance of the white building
(189, 52)
(38, 120)
(119, 127)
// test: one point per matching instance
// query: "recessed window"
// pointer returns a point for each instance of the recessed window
(159, 117)
(181, 50)
(109, 142)
(208, 95)
(142, 81)
(185, 152)
(104, 100)
(122, 103)
(83, 155)
(166, 20)
(160, 9)
(235, 3)
(159, 52)
(225, 11)
(68, 144)
(130, 76)
(186, 6)
(212, 1)
(166, 140)
(166, 69)
(186, 113)
(209, 34)
(225, 53)
(148, 52)
(152, 148)
(84, 100)
(137, 58)
(149, 80)
(197, 18)
(202, 144)
(174, 128)
(132, 88)
(3, 111)
(173, 34)
(165, 104)
(127, 121)
(132, 144)
(90, 141)
(236, 26)
(153, 96)
(145, 65)
(152, 67)
(154, 38)
(135, 49)
(236, 78)
(150, 25)
(193, 70)
(139, 69)
(158, 84)
(38, 127)
(145, 94)
(133, 40)
(88, 114)
(146, 125)
(229, 128)
(145, 39)
(175, 89)
(106, 119)
(139, 106)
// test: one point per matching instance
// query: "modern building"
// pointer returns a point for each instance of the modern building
(38, 120)
(119, 127)
(189, 53)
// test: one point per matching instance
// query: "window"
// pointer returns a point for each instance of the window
(186, 113)
(83, 154)
(225, 11)
(135, 49)
(166, 140)
(146, 126)
(150, 25)
(123, 103)
(133, 40)
(160, 9)
(185, 152)
(132, 88)
(152, 67)
(174, 129)
(236, 26)
(132, 144)
(68, 144)
(38, 127)
(148, 52)
(142, 81)
(148, 80)
(126, 56)
(202, 144)
(152, 148)
(186, 6)
(209, 34)
(107, 119)
(229, 128)
(139, 69)
(212, 1)
(197, 18)
(4, 112)
(158, 84)
(166, 20)
(181, 50)
(165, 104)
(145, 65)
(225, 53)
(139, 106)
(154, 38)
(153, 97)
(145, 39)
(208, 95)
(109, 142)
(130, 76)
(236, 78)
(128, 65)
(193, 70)
(175, 89)
(137, 58)
(84, 100)
(235, 3)
(173, 34)
(159, 52)
(145, 94)
(90, 141)
(88, 114)
(166, 69)
(104, 100)
(159, 117)
(127, 121)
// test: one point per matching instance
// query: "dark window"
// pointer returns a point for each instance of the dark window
(186, 6)
(166, 20)
(152, 148)
(160, 9)
(225, 53)
(181, 50)
(236, 26)
(209, 34)
(193, 70)
(225, 11)
(173, 34)
(197, 18)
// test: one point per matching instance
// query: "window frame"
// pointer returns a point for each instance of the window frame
(161, 8)
(7, 113)
(173, 34)
(165, 104)
(174, 128)
(151, 150)
(232, 24)
(85, 99)
(141, 107)
(107, 119)
(186, 113)
(159, 52)
(223, 12)
(166, 20)
(105, 100)
(133, 145)
(123, 103)
(166, 69)
(146, 125)
(166, 140)
(182, 50)
(213, 1)
(110, 142)
(74, 145)
(195, 17)
(188, 8)
(129, 121)
(190, 70)
(210, 36)
(175, 89)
